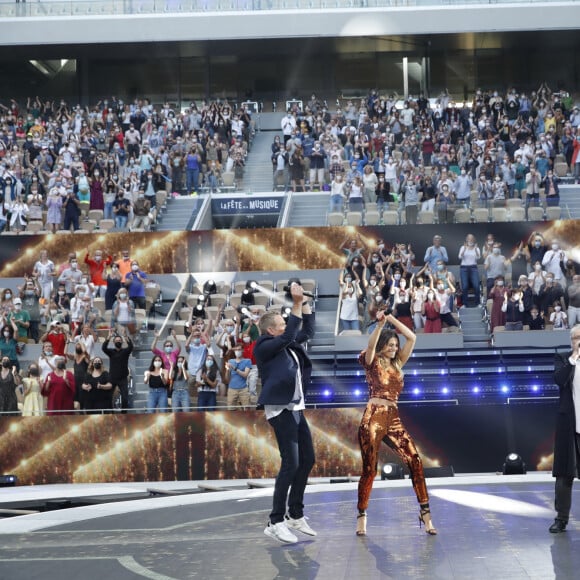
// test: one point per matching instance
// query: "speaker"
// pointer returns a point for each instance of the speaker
(443, 471)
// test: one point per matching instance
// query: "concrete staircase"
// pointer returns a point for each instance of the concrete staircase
(258, 173)
(323, 340)
(179, 214)
(475, 331)
(308, 209)
(570, 201)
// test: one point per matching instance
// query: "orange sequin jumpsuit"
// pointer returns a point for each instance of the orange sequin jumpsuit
(382, 423)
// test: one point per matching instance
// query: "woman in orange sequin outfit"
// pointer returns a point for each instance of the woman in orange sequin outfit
(383, 361)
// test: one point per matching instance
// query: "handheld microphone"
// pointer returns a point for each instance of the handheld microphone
(307, 294)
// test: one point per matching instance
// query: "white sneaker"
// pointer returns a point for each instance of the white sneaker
(280, 532)
(301, 525)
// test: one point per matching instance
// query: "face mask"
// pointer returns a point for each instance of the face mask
(471, 244)
(355, 264)
(78, 350)
(247, 339)
(557, 308)
(500, 282)
(440, 267)
(7, 334)
(209, 363)
(61, 365)
(6, 364)
(98, 365)
(157, 364)
(430, 296)
(496, 251)
(118, 344)
(381, 246)
(168, 349)
(555, 247)
(7, 296)
(373, 282)
(134, 268)
(18, 307)
(73, 265)
(440, 286)
(197, 341)
(397, 276)
(238, 353)
(122, 296)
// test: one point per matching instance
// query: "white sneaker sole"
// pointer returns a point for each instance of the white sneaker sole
(310, 532)
(272, 535)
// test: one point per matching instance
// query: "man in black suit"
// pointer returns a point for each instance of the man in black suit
(285, 368)
(567, 444)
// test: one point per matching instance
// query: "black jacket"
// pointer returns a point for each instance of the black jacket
(277, 367)
(565, 444)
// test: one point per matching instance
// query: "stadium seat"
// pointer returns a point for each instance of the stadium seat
(553, 212)
(426, 217)
(372, 217)
(106, 225)
(499, 214)
(517, 214)
(535, 214)
(96, 215)
(391, 218)
(354, 218)
(561, 169)
(481, 215)
(462, 216)
(514, 202)
(335, 219)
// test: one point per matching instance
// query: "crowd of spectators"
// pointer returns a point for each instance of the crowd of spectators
(535, 285)
(58, 161)
(419, 154)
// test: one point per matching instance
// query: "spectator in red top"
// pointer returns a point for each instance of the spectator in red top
(96, 270)
(170, 353)
(248, 352)
(57, 337)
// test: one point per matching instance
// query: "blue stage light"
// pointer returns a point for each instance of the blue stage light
(505, 389)
(445, 391)
(357, 393)
(535, 388)
(472, 371)
(475, 390)
(327, 392)
(416, 391)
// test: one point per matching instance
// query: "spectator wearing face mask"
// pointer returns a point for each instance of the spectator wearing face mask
(495, 265)
(170, 352)
(135, 281)
(157, 378)
(180, 379)
(20, 318)
(71, 276)
(196, 352)
(119, 365)
(558, 318)
(59, 389)
(430, 312)
(497, 294)
(550, 293)
(553, 261)
(237, 370)
(123, 313)
(9, 381)
(444, 295)
(98, 387)
(207, 384)
(350, 295)
(32, 403)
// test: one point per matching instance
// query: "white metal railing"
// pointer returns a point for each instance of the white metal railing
(84, 8)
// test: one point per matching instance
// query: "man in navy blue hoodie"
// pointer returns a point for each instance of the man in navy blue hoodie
(285, 369)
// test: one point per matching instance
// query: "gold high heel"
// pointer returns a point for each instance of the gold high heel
(425, 518)
(361, 524)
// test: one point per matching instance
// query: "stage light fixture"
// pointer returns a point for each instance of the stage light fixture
(8, 480)
(210, 287)
(416, 391)
(475, 390)
(445, 391)
(514, 465)
(247, 298)
(535, 388)
(505, 389)
(392, 471)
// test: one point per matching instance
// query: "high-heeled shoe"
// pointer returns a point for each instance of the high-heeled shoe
(361, 524)
(425, 518)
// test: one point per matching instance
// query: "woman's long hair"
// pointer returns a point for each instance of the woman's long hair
(384, 338)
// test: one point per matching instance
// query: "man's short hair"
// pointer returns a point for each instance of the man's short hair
(267, 321)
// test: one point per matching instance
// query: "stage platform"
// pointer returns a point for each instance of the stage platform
(490, 526)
